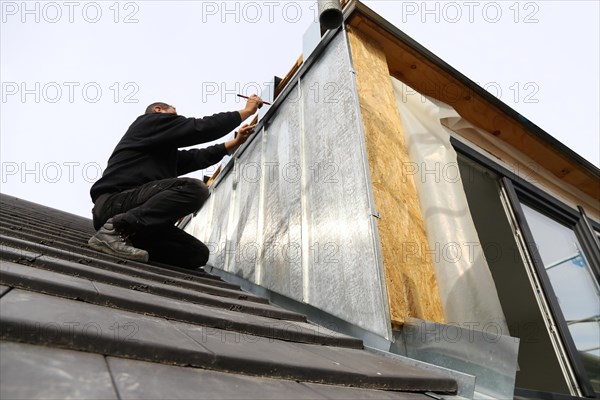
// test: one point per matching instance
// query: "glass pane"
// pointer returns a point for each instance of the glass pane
(574, 285)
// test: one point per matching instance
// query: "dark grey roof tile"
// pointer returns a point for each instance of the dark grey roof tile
(35, 236)
(17, 275)
(152, 312)
(269, 357)
(38, 372)
(346, 393)
(143, 380)
(221, 319)
(3, 289)
(130, 269)
(38, 318)
(153, 287)
(265, 356)
(382, 370)
(40, 229)
(48, 282)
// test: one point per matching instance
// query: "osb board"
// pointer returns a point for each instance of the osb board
(411, 283)
(412, 68)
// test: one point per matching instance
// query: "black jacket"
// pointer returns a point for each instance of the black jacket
(149, 149)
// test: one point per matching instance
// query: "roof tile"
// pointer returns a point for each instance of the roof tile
(68, 297)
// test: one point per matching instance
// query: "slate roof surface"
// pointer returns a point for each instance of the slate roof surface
(76, 323)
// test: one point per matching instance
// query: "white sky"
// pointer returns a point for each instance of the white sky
(541, 58)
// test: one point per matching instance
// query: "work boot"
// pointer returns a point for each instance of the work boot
(110, 241)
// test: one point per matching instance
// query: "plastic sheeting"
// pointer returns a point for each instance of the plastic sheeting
(467, 290)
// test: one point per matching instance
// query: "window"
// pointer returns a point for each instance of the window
(575, 287)
(551, 283)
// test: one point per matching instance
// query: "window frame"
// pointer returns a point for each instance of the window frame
(588, 237)
(519, 190)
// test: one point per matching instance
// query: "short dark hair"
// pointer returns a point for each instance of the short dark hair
(150, 108)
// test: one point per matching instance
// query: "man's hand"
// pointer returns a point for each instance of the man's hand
(252, 105)
(240, 138)
(244, 133)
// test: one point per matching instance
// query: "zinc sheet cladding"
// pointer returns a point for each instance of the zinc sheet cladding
(303, 187)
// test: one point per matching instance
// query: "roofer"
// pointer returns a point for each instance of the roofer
(139, 197)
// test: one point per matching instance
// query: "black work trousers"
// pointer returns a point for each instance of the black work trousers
(148, 214)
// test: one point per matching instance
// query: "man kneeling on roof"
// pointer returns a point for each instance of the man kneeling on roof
(139, 198)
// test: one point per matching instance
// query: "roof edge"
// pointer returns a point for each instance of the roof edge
(355, 6)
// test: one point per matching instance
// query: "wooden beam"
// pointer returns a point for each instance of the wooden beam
(286, 79)
(410, 277)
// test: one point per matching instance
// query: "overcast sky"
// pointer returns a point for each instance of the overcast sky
(76, 74)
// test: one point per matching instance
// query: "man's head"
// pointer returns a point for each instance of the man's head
(160, 108)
